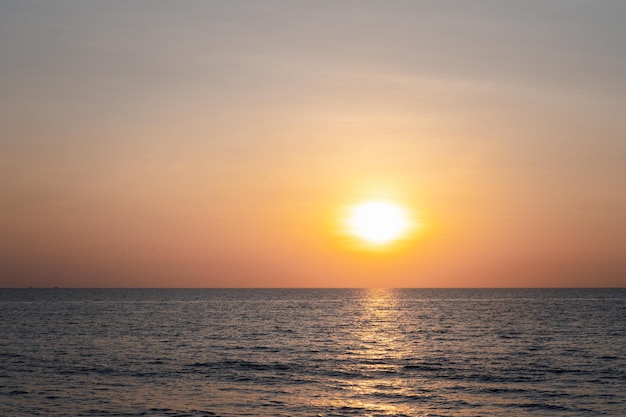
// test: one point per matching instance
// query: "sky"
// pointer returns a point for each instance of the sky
(154, 143)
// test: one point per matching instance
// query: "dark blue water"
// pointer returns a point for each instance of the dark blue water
(313, 352)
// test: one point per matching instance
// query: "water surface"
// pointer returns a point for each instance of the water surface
(410, 352)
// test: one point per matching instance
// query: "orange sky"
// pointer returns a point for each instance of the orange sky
(215, 144)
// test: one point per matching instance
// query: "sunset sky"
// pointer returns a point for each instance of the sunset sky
(155, 143)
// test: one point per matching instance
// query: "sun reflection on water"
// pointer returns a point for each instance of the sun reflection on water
(379, 349)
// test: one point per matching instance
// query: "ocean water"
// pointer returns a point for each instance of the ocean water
(311, 352)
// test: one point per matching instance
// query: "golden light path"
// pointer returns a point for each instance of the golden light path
(378, 222)
(379, 350)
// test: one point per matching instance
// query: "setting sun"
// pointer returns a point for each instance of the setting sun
(378, 222)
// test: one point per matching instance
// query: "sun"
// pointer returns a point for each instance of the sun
(378, 222)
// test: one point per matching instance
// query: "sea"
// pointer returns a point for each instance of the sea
(313, 352)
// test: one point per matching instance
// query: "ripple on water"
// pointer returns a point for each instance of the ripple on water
(312, 352)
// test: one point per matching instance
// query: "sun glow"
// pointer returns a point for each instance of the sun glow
(378, 222)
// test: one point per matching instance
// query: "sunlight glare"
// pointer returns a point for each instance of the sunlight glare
(378, 222)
